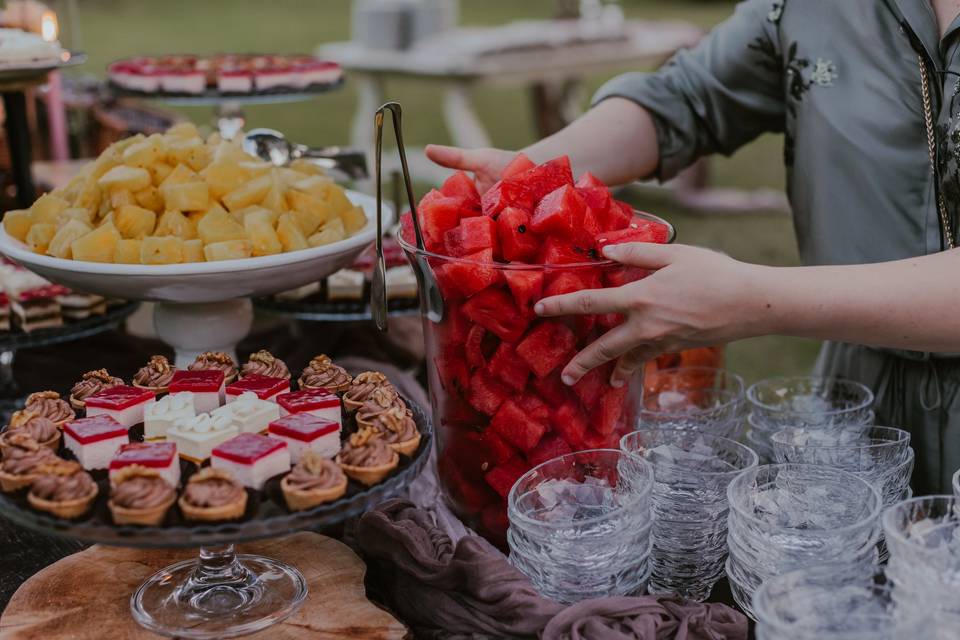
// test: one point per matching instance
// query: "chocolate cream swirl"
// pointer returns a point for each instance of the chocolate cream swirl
(142, 492)
(264, 363)
(215, 361)
(366, 449)
(212, 491)
(49, 405)
(24, 455)
(314, 472)
(321, 373)
(68, 483)
(366, 384)
(156, 373)
(93, 382)
(394, 425)
(35, 425)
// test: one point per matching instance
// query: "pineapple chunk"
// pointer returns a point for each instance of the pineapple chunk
(161, 250)
(248, 194)
(97, 246)
(39, 237)
(60, 244)
(291, 237)
(75, 213)
(193, 251)
(331, 232)
(149, 198)
(48, 208)
(337, 198)
(308, 167)
(310, 212)
(189, 151)
(316, 186)
(275, 200)
(127, 251)
(17, 223)
(159, 172)
(123, 177)
(271, 215)
(255, 167)
(174, 223)
(263, 238)
(145, 153)
(180, 174)
(107, 161)
(228, 250)
(223, 177)
(183, 130)
(88, 197)
(189, 196)
(228, 151)
(219, 226)
(287, 177)
(134, 222)
(354, 219)
(120, 197)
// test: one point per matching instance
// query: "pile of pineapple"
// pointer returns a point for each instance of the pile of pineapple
(172, 198)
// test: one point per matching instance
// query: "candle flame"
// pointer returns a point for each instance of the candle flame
(49, 28)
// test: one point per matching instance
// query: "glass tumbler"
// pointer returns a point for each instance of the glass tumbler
(580, 525)
(809, 402)
(691, 473)
(699, 398)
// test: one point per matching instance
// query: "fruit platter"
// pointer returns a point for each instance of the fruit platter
(498, 402)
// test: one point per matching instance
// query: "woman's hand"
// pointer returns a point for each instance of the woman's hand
(694, 298)
(485, 164)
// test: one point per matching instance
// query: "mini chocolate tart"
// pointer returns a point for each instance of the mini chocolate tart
(380, 400)
(313, 481)
(22, 460)
(155, 375)
(264, 363)
(397, 428)
(63, 489)
(139, 495)
(366, 458)
(50, 405)
(212, 495)
(216, 361)
(321, 373)
(90, 383)
(41, 429)
(363, 387)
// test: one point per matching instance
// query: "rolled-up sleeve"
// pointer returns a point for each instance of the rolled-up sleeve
(717, 96)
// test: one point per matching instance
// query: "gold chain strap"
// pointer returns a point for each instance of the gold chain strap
(932, 149)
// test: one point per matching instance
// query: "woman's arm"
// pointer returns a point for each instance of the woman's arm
(697, 297)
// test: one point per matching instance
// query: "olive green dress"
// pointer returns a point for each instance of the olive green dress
(841, 80)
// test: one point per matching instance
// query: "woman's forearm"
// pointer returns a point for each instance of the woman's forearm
(596, 142)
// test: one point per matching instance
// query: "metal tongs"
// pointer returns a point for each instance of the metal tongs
(431, 301)
(272, 146)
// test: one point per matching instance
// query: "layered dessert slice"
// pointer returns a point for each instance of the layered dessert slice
(160, 416)
(206, 388)
(95, 440)
(33, 301)
(264, 387)
(159, 456)
(306, 432)
(183, 81)
(123, 403)
(196, 437)
(346, 284)
(79, 306)
(318, 402)
(401, 283)
(250, 414)
(235, 81)
(252, 458)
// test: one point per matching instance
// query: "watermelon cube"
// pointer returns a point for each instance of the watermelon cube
(517, 166)
(516, 240)
(606, 416)
(560, 212)
(526, 285)
(452, 371)
(618, 216)
(549, 176)
(446, 274)
(551, 388)
(638, 230)
(535, 407)
(516, 426)
(495, 310)
(556, 250)
(406, 228)
(594, 440)
(472, 274)
(494, 523)
(473, 347)
(486, 393)
(547, 346)
(588, 180)
(590, 387)
(509, 367)
(438, 214)
(565, 282)
(503, 476)
(466, 492)
(499, 449)
(552, 446)
(503, 194)
(570, 423)
(470, 236)
(460, 185)
(453, 330)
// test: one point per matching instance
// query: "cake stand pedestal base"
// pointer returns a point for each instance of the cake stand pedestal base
(86, 596)
(192, 328)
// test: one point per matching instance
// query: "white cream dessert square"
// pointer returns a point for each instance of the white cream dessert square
(250, 414)
(196, 437)
(161, 415)
(346, 284)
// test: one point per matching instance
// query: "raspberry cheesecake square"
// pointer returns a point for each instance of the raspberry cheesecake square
(94, 440)
(206, 386)
(250, 414)
(306, 432)
(159, 456)
(252, 458)
(265, 387)
(317, 402)
(123, 403)
(162, 414)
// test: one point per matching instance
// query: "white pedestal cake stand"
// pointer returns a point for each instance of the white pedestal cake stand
(204, 305)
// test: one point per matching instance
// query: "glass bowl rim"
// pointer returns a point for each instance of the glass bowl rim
(754, 401)
(887, 520)
(739, 447)
(873, 444)
(727, 373)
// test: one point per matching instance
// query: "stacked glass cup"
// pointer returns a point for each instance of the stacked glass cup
(956, 484)
(923, 536)
(580, 525)
(691, 473)
(789, 516)
(804, 402)
(817, 603)
(700, 398)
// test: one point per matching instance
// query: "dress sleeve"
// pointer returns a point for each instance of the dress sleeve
(717, 96)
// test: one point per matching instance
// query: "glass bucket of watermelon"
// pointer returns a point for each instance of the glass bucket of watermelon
(498, 403)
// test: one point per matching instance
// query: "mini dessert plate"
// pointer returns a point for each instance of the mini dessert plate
(250, 414)
(162, 414)
(196, 437)
(306, 432)
(124, 404)
(252, 458)
(158, 456)
(265, 388)
(318, 402)
(94, 440)
(206, 386)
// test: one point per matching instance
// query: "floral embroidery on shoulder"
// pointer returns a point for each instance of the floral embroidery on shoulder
(776, 12)
(824, 73)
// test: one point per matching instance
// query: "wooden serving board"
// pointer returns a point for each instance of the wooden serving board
(86, 596)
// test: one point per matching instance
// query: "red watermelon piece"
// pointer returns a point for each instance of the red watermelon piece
(606, 416)
(551, 388)
(460, 185)
(517, 166)
(570, 424)
(517, 241)
(516, 426)
(495, 310)
(564, 282)
(485, 393)
(503, 194)
(472, 274)
(454, 328)
(550, 447)
(467, 492)
(560, 212)
(494, 521)
(547, 346)
(618, 216)
(453, 373)
(549, 176)
(588, 180)
(639, 230)
(500, 450)
(535, 407)
(556, 250)
(526, 285)
(473, 347)
(590, 387)
(594, 440)
(438, 214)
(470, 236)
(509, 367)
(503, 476)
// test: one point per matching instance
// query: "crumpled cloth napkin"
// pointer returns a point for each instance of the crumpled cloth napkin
(468, 589)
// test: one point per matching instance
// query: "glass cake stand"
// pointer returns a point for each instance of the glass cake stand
(221, 593)
(337, 311)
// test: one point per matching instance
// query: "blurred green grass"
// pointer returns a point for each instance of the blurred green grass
(117, 28)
